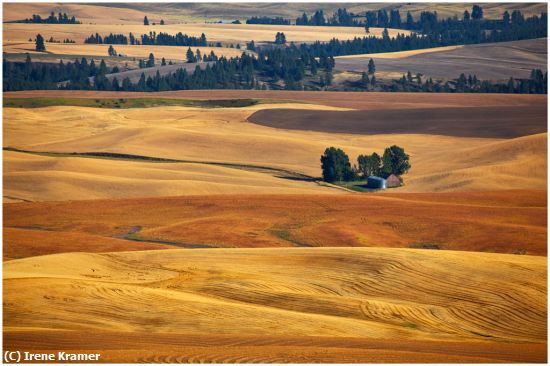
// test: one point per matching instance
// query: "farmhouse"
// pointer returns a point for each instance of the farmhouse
(393, 181)
(376, 182)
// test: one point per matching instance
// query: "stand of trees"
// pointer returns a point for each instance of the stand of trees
(429, 22)
(341, 18)
(29, 75)
(268, 20)
(537, 83)
(152, 38)
(52, 19)
(110, 39)
(336, 166)
(198, 57)
(179, 39)
(280, 38)
(534, 27)
(472, 23)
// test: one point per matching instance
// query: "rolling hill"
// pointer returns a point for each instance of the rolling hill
(317, 299)
(498, 221)
(494, 61)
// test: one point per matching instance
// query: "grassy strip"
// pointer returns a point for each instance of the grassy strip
(358, 186)
(137, 238)
(285, 235)
(125, 103)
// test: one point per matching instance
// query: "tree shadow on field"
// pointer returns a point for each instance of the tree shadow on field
(298, 178)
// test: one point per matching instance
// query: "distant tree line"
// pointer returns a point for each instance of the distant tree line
(341, 18)
(268, 20)
(535, 27)
(336, 166)
(152, 38)
(428, 22)
(198, 57)
(52, 19)
(30, 75)
(275, 67)
(66, 40)
(537, 83)
(179, 39)
(110, 39)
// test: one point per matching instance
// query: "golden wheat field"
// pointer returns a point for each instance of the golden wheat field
(315, 298)
(101, 50)
(210, 301)
(224, 135)
(403, 54)
(235, 252)
(232, 33)
(196, 226)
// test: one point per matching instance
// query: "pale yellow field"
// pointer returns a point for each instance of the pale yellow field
(86, 13)
(168, 52)
(18, 32)
(403, 54)
(440, 163)
(36, 178)
(367, 293)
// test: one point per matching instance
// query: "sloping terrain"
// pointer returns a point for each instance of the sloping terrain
(29, 177)
(499, 221)
(135, 75)
(230, 33)
(31, 241)
(348, 297)
(223, 135)
(176, 53)
(495, 61)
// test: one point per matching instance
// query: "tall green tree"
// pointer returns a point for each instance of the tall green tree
(368, 165)
(151, 60)
(395, 161)
(477, 12)
(111, 51)
(336, 166)
(145, 20)
(371, 67)
(190, 56)
(280, 38)
(39, 44)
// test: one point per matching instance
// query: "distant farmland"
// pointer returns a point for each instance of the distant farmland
(495, 61)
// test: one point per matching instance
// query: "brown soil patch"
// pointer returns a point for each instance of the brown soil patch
(491, 122)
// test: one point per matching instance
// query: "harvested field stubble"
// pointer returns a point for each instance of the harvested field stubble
(270, 300)
(500, 221)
